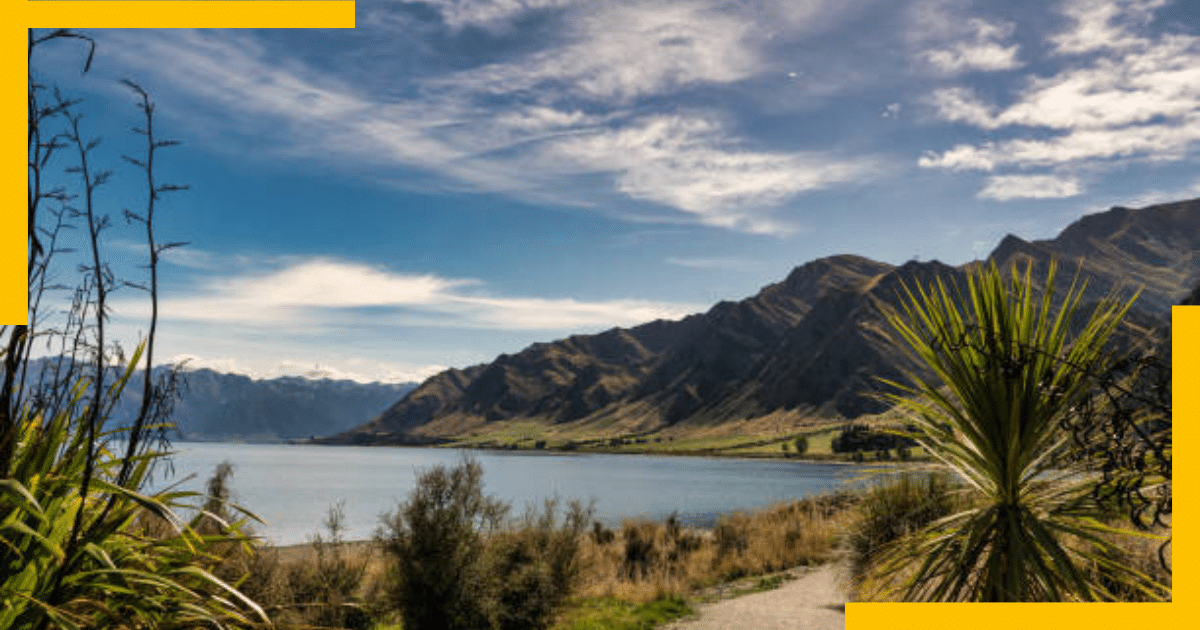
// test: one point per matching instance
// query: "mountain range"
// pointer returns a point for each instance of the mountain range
(811, 347)
(218, 406)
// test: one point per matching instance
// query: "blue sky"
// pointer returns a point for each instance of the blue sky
(455, 179)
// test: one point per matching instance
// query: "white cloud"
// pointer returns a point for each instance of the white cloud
(616, 52)
(963, 157)
(1007, 187)
(1156, 142)
(338, 368)
(722, 264)
(1104, 24)
(685, 162)
(489, 13)
(540, 127)
(960, 104)
(331, 292)
(1123, 96)
(1156, 196)
(983, 49)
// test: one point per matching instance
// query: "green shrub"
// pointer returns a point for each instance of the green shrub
(327, 591)
(436, 579)
(536, 566)
(640, 552)
(115, 555)
(454, 566)
(601, 535)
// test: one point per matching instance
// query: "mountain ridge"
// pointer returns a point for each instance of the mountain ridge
(812, 345)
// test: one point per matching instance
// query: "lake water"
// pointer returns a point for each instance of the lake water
(293, 486)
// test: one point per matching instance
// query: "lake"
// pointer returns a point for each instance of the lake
(293, 486)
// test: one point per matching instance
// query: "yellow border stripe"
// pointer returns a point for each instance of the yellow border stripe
(14, 245)
(1185, 387)
(190, 14)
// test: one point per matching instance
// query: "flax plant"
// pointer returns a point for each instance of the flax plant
(82, 541)
(108, 572)
(1006, 363)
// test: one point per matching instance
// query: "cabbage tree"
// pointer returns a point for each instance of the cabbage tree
(1005, 362)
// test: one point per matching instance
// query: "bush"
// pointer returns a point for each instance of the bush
(601, 535)
(640, 553)
(453, 566)
(536, 566)
(327, 590)
(437, 579)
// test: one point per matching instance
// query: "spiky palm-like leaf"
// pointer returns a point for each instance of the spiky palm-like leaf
(107, 573)
(1007, 362)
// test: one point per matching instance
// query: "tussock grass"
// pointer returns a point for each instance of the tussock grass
(647, 561)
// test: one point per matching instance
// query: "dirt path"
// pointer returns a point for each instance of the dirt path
(815, 601)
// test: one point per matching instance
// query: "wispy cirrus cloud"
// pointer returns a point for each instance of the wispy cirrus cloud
(615, 52)
(1118, 95)
(1104, 24)
(681, 161)
(565, 121)
(1006, 187)
(985, 49)
(723, 264)
(307, 294)
(947, 37)
(494, 13)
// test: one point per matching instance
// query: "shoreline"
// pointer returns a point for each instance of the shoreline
(821, 459)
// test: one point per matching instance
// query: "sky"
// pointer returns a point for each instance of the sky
(456, 179)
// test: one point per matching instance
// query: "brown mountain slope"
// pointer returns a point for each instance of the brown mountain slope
(811, 346)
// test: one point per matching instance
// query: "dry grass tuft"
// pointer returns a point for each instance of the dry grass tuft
(647, 561)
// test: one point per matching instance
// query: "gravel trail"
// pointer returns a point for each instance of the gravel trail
(815, 601)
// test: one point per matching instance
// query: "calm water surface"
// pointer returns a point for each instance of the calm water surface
(292, 486)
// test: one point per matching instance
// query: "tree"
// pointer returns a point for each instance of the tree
(801, 444)
(76, 548)
(1005, 369)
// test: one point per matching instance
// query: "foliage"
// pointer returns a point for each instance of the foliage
(1125, 433)
(856, 437)
(436, 540)
(607, 613)
(536, 566)
(1006, 366)
(77, 544)
(71, 560)
(325, 590)
(454, 564)
(893, 510)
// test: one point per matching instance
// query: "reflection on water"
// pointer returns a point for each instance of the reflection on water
(292, 486)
